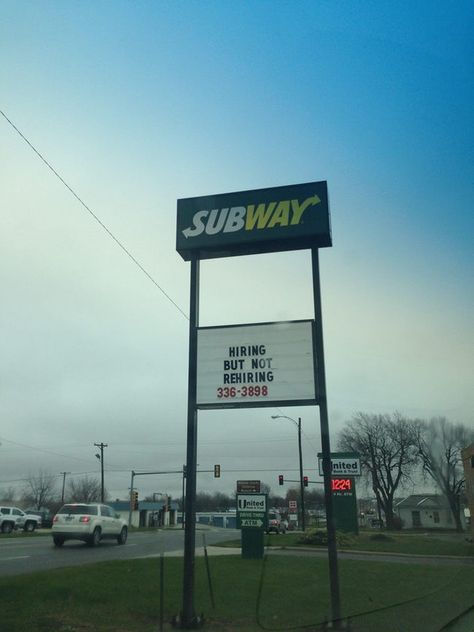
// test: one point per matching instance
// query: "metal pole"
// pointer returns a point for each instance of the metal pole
(303, 519)
(188, 615)
(182, 498)
(162, 590)
(325, 443)
(101, 473)
(64, 485)
(131, 500)
(101, 446)
(208, 571)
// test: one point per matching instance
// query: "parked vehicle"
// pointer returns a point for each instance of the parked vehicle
(90, 523)
(275, 523)
(13, 518)
(45, 515)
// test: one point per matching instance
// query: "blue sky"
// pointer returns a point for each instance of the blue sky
(139, 104)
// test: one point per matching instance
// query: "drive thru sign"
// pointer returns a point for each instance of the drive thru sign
(251, 511)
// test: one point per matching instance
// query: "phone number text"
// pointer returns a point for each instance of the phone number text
(225, 392)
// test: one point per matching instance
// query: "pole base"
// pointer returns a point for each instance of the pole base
(337, 626)
(194, 624)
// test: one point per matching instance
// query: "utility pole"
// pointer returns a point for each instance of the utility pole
(300, 455)
(64, 484)
(100, 456)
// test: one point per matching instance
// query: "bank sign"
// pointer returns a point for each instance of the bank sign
(342, 464)
(265, 364)
(251, 511)
(250, 222)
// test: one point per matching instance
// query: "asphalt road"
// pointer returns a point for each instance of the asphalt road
(28, 554)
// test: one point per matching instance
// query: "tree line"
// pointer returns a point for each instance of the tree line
(41, 491)
(395, 450)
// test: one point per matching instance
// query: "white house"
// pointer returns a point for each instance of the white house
(426, 511)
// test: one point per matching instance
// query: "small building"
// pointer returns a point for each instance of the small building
(148, 514)
(426, 511)
(223, 519)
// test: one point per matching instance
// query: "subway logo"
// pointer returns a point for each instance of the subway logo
(264, 220)
(252, 217)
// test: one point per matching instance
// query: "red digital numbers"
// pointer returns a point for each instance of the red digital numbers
(225, 392)
(341, 484)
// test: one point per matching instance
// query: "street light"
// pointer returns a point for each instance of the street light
(298, 426)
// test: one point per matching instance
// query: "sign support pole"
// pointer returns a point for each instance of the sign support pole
(325, 443)
(188, 615)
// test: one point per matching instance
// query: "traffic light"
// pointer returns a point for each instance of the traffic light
(305, 481)
(135, 500)
(217, 471)
(280, 479)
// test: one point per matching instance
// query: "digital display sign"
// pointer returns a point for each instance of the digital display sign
(341, 484)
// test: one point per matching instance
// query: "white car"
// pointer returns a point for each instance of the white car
(13, 518)
(88, 522)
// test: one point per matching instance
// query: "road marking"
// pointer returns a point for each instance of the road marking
(18, 557)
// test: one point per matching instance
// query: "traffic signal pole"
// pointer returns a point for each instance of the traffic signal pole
(303, 519)
(131, 500)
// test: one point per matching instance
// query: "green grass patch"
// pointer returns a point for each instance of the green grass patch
(124, 596)
(24, 534)
(379, 542)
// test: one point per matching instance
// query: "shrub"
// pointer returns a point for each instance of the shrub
(381, 537)
(319, 537)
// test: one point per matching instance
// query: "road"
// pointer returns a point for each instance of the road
(26, 555)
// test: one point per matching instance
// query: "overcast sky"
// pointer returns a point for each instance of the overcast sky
(137, 104)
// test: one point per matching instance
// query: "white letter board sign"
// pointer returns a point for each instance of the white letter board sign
(256, 365)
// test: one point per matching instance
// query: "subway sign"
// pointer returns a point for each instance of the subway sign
(250, 222)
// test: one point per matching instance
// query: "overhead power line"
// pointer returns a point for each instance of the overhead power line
(46, 451)
(91, 212)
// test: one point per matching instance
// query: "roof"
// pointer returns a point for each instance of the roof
(424, 501)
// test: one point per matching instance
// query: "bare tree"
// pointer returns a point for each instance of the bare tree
(85, 490)
(8, 495)
(40, 489)
(214, 502)
(439, 445)
(387, 449)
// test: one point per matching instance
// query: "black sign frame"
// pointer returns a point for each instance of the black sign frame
(274, 219)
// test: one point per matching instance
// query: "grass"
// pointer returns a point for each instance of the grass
(23, 534)
(123, 596)
(385, 542)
